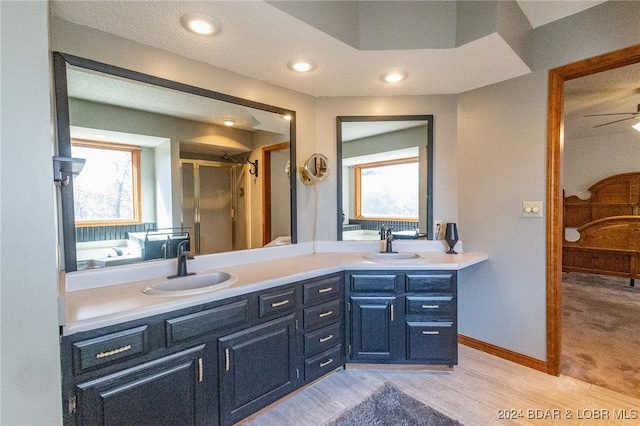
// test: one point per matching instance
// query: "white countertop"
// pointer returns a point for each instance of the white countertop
(95, 299)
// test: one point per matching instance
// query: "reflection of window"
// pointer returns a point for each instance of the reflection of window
(108, 188)
(387, 190)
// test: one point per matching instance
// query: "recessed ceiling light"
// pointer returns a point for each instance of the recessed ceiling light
(394, 77)
(301, 65)
(229, 122)
(200, 24)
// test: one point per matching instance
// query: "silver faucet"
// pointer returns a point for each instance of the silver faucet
(183, 256)
(389, 249)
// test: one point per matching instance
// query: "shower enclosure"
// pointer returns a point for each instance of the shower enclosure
(214, 205)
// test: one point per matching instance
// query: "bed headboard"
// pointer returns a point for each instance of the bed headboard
(617, 195)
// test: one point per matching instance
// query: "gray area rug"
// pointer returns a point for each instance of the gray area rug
(390, 407)
(600, 338)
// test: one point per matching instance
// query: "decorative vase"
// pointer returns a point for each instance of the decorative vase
(451, 237)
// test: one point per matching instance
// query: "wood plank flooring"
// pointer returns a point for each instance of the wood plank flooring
(482, 390)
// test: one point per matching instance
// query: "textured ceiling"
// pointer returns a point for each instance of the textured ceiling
(616, 91)
(543, 12)
(258, 39)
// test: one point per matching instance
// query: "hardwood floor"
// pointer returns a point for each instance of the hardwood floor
(482, 390)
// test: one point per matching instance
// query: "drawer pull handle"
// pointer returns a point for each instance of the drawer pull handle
(324, 290)
(324, 364)
(276, 304)
(391, 312)
(326, 339)
(226, 359)
(200, 370)
(325, 314)
(430, 332)
(430, 306)
(113, 352)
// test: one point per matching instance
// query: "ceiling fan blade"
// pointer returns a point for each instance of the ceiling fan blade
(616, 121)
(613, 113)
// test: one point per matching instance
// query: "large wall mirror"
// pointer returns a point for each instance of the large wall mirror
(385, 176)
(166, 162)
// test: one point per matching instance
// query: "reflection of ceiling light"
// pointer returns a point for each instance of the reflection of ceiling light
(200, 24)
(394, 77)
(228, 122)
(636, 126)
(301, 65)
(287, 117)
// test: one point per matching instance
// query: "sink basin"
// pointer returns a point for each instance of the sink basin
(395, 257)
(191, 284)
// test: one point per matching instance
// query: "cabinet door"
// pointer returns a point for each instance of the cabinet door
(168, 391)
(257, 368)
(373, 328)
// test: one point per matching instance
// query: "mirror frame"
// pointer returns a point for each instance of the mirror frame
(369, 118)
(63, 135)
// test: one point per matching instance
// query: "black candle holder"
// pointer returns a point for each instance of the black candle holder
(451, 237)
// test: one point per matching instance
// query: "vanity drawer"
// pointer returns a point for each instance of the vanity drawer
(204, 322)
(431, 283)
(325, 313)
(323, 363)
(322, 289)
(110, 347)
(282, 301)
(373, 282)
(435, 306)
(431, 340)
(323, 339)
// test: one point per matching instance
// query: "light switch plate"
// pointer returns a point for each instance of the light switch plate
(532, 208)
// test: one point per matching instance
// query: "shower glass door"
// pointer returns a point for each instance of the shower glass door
(209, 205)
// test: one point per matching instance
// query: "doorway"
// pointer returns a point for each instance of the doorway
(275, 192)
(555, 228)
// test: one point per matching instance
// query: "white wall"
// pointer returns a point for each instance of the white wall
(501, 162)
(589, 160)
(29, 358)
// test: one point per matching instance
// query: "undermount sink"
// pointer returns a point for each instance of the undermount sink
(395, 257)
(201, 282)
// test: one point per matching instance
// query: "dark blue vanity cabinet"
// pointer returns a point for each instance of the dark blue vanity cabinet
(167, 391)
(258, 365)
(323, 326)
(402, 317)
(212, 364)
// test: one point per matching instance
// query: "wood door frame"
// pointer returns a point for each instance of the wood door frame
(555, 146)
(266, 188)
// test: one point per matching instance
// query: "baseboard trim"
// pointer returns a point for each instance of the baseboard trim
(516, 357)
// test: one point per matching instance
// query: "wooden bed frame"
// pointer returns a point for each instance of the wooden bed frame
(609, 227)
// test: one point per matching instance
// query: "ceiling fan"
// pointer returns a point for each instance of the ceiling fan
(631, 114)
